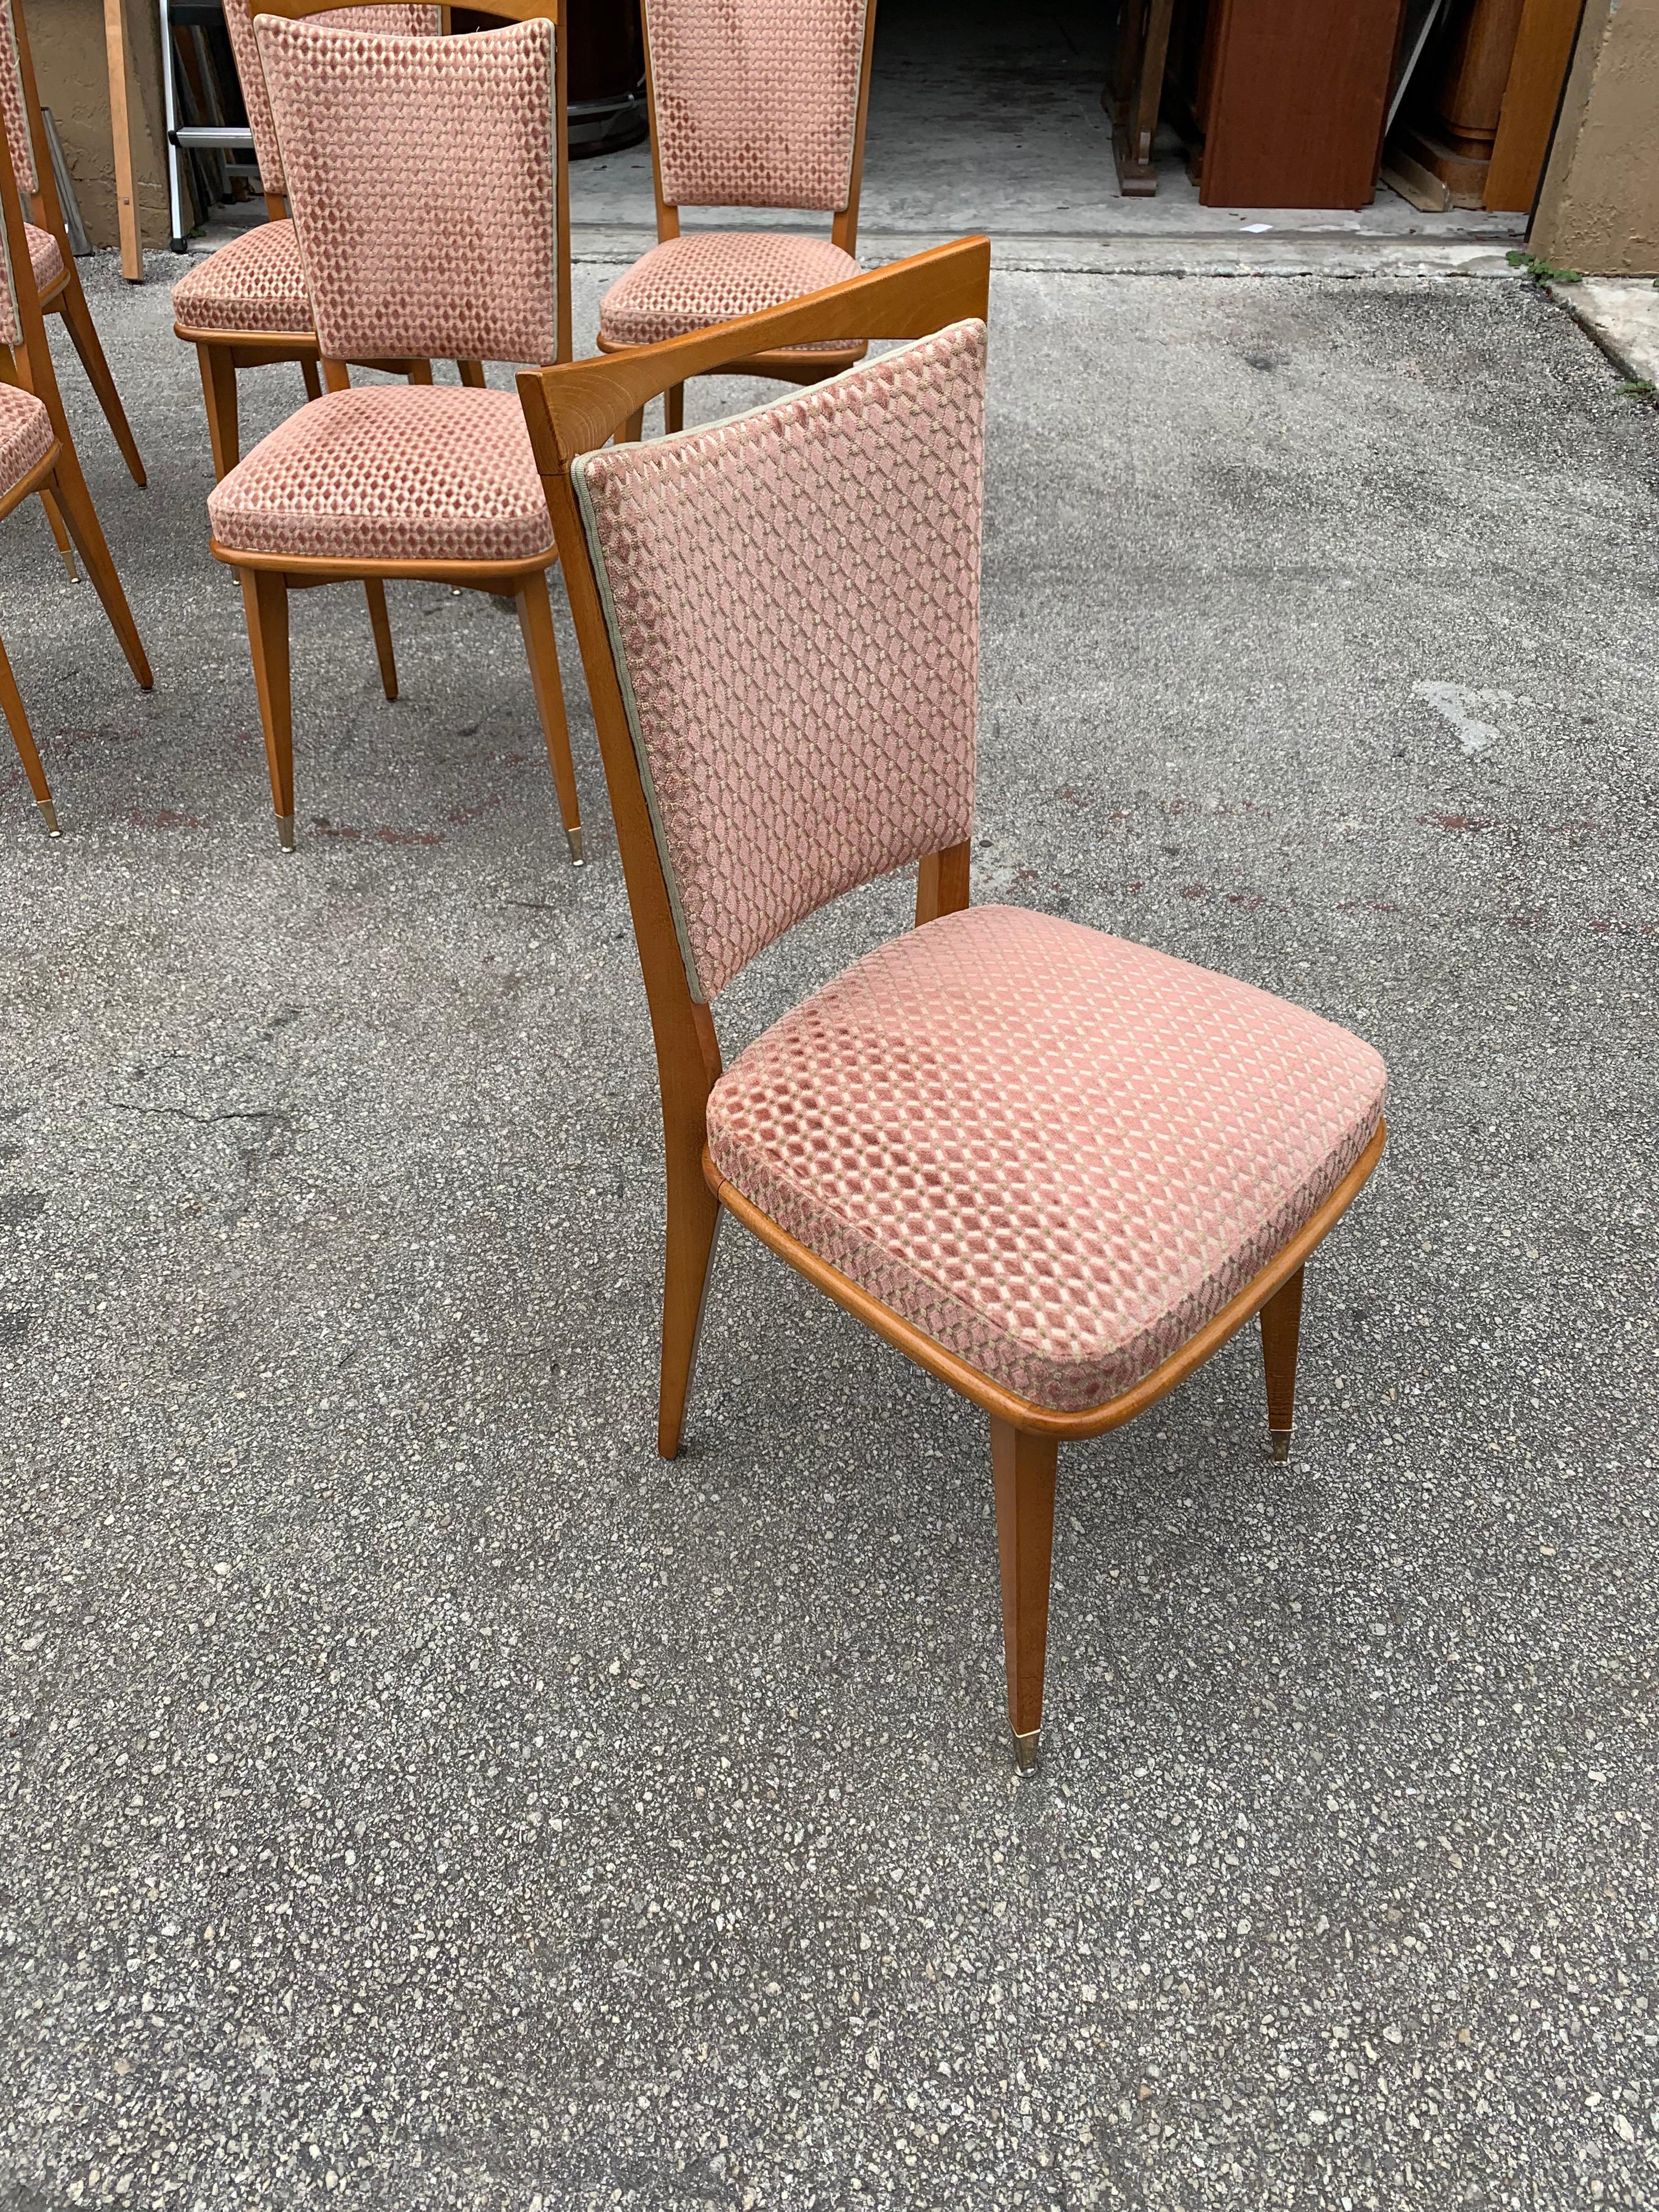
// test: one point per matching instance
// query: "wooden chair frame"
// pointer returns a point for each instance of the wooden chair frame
(788, 365)
(60, 485)
(572, 410)
(65, 298)
(267, 579)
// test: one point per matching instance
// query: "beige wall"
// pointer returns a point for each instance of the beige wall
(1599, 209)
(66, 38)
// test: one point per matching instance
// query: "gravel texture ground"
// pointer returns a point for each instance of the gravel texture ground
(418, 1796)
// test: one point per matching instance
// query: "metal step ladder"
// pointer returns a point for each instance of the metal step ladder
(188, 137)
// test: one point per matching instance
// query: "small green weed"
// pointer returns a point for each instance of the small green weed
(1638, 388)
(1542, 271)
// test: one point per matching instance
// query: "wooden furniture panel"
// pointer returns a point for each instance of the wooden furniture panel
(1532, 99)
(1293, 96)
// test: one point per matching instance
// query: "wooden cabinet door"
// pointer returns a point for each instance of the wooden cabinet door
(1297, 96)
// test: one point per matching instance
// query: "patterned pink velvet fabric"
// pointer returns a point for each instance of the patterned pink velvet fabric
(705, 276)
(421, 178)
(45, 256)
(1057, 1153)
(756, 105)
(254, 283)
(794, 599)
(13, 107)
(25, 435)
(393, 472)
(239, 22)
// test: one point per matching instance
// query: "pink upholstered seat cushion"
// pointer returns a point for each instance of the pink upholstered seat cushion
(254, 283)
(705, 276)
(46, 258)
(390, 472)
(24, 434)
(1057, 1153)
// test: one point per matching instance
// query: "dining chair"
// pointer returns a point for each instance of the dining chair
(427, 182)
(759, 105)
(1055, 1169)
(57, 279)
(246, 306)
(37, 459)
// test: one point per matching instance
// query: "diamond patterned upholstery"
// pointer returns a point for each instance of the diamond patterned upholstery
(394, 472)
(1058, 1154)
(705, 276)
(245, 47)
(25, 435)
(46, 258)
(421, 176)
(13, 109)
(793, 599)
(255, 284)
(755, 105)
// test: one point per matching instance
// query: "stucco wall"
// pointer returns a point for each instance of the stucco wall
(67, 39)
(1599, 209)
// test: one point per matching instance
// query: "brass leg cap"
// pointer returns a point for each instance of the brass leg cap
(48, 816)
(285, 832)
(1026, 1750)
(574, 836)
(1279, 1440)
(71, 570)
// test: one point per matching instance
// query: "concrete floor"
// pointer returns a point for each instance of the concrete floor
(419, 1796)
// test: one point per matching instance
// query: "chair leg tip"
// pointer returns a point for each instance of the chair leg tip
(48, 816)
(70, 568)
(574, 837)
(1280, 1442)
(1026, 1748)
(285, 832)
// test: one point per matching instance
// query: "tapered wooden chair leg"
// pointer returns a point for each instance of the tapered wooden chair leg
(1281, 1329)
(673, 408)
(473, 373)
(83, 336)
(60, 532)
(632, 430)
(541, 648)
(314, 382)
(1023, 1467)
(380, 622)
(69, 487)
(11, 704)
(694, 1220)
(264, 595)
(219, 392)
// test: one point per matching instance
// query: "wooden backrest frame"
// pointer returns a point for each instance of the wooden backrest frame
(511, 11)
(28, 361)
(844, 223)
(574, 408)
(48, 209)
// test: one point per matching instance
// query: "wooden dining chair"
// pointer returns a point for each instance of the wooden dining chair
(37, 459)
(1057, 1169)
(57, 279)
(246, 304)
(758, 105)
(428, 186)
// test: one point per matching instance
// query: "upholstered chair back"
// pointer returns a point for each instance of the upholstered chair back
(792, 602)
(239, 22)
(422, 177)
(14, 106)
(755, 105)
